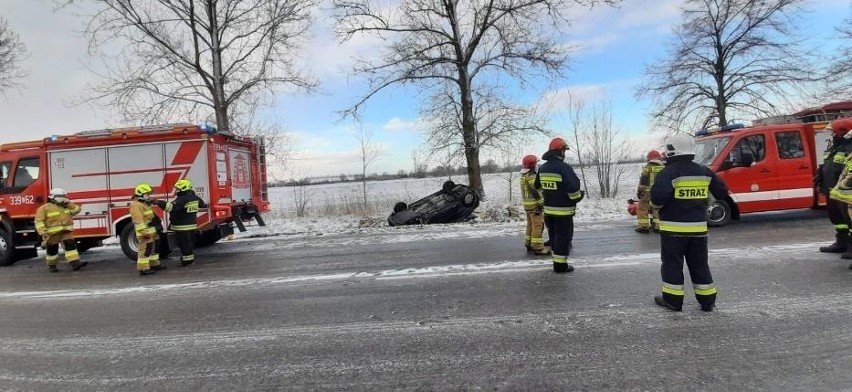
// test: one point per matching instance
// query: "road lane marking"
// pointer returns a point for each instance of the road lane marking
(768, 253)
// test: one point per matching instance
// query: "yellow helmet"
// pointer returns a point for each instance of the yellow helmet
(183, 185)
(143, 189)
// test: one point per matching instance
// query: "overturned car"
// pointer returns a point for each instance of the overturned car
(453, 203)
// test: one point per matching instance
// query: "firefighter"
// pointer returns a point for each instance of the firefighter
(562, 192)
(682, 192)
(54, 222)
(533, 204)
(183, 212)
(644, 212)
(147, 258)
(834, 159)
(842, 191)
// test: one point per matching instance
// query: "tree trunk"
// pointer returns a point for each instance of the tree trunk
(219, 104)
(471, 145)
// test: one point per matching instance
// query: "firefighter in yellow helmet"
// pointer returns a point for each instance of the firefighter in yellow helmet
(183, 211)
(54, 222)
(147, 258)
(648, 217)
(533, 201)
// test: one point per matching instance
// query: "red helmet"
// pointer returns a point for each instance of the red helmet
(632, 207)
(654, 155)
(558, 144)
(841, 126)
(529, 162)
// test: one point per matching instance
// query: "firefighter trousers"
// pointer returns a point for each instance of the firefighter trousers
(838, 215)
(561, 236)
(646, 216)
(673, 251)
(186, 242)
(535, 227)
(147, 255)
(66, 239)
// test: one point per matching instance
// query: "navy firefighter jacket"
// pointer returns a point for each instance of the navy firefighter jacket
(560, 185)
(682, 191)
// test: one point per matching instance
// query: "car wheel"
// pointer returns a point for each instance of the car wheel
(468, 198)
(719, 213)
(448, 186)
(7, 253)
(401, 206)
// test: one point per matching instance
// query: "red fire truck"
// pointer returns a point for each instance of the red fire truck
(769, 166)
(100, 169)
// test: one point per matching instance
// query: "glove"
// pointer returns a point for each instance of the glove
(159, 203)
(582, 195)
(44, 241)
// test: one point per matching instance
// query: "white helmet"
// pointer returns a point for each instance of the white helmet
(679, 145)
(58, 195)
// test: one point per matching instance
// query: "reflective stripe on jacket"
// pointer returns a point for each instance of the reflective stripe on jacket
(532, 197)
(560, 185)
(142, 214)
(183, 211)
(842, 191)
(649, 175)
(681, 192)
(53, 218)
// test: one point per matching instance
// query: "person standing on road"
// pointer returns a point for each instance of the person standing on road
(142, 215)
(561, 188)
(183, 211)
(533, 204)
(681, 192)
(834, 160)
(54, 222)
(644, 212)
(842, 191)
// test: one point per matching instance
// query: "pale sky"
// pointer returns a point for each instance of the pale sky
(615, 46)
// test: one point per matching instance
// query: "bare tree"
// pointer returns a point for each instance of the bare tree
(838, 81)
(278, 144)
(12, 51)
(730, 58)
(452, 44)
(606, 149)
(577, 118)
(188, 58)
(369, 152)
(511, 157)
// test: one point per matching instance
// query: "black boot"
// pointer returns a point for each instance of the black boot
(547, 243)
(562, 267)
(839, 245)
(659, 300)
(158, 267)
(642, 230)
(147, 272)
(52, 268)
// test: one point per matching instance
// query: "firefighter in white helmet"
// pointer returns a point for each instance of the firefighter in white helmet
(681, 192)
(54, 222)
(142, 215)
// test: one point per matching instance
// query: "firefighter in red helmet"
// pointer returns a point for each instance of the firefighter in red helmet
(533, 202)
(644, 212)
(828, 174)
(561, 188)
(842, 191)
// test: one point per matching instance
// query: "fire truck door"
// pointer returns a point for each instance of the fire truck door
(795, 170)
(753, 187)
(83, 174)
(21, 190)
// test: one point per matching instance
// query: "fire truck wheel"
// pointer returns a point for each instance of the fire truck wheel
(128, 242)
(719, 213)
(208, 237)
(7, 254)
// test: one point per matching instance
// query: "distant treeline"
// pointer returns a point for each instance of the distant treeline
(489, 167)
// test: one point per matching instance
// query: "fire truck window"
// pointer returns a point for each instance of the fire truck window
(790, 145)
(26, 173)
(755, 145)
(4, 173)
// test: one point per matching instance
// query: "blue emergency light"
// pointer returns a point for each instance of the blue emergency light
(207, 128)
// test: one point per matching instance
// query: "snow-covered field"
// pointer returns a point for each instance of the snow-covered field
(336, 208)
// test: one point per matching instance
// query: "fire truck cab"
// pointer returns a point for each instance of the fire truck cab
(100, 169)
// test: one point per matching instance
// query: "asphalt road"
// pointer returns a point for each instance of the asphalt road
(437, 308)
